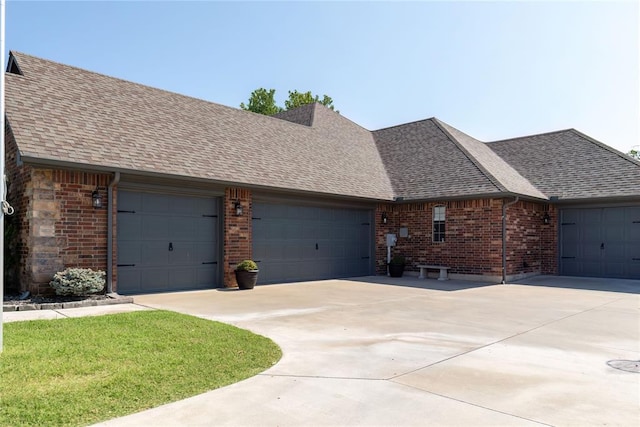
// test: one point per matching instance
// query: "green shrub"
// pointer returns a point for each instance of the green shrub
(247, 265)
(78, 281)
(398, 260)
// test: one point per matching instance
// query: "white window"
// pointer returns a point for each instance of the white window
(438, 223)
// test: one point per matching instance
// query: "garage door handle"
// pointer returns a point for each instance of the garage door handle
(316, 246)
(601, 245)
(170, 246)
(210, 262)
(635, 259)
(126, 265)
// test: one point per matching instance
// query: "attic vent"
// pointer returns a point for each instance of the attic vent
(12, 67)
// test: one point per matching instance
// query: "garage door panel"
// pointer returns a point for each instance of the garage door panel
(181, 278)
(184, 205)
(183, 253)
(154, 279)
(296, 243)
(205, 229)
(600, 242)
(183, 228)
(155, 228)
(129, 201)
(155, 203)
(129, 227)
(154, 253)
(163, 241)
(129, 252)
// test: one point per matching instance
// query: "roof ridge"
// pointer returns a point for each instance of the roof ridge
(605, 146)
(529, 136)
(466, 152)
(404, 124)
(153, 88)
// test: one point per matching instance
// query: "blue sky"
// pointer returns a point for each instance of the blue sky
(494, 70)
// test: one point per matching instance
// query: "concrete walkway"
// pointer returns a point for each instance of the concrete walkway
(380, 351)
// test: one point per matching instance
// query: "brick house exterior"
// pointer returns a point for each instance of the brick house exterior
(309, 160)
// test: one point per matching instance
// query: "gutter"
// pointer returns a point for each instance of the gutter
(113, 183)
(504, 237)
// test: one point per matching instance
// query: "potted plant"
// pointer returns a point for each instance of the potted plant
(246, 274)
(396, 266)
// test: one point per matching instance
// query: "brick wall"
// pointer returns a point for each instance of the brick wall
(80, 229)
(237, 232)
(549, 242)
(58, 227)
(473, 242)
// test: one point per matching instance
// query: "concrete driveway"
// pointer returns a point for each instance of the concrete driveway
(381, 351)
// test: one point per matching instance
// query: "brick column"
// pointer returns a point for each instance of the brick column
(237, 232)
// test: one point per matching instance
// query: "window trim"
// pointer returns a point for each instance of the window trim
(438, 224)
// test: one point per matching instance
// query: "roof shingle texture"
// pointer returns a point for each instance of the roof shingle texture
(426, 162)
(570, 165)
(68, 114)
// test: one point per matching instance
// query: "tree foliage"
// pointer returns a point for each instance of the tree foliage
(296, 99)
(262, 101)
(635, 152)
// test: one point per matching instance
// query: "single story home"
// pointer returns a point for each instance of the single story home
(167, 192)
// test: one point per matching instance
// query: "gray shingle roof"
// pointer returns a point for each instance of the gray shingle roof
(429, 159)
(571, 165)
(70, 115)
(67, 115)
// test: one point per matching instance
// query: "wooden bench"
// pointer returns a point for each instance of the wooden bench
(424, 268)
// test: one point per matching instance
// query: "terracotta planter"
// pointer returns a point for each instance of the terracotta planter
(246, 279)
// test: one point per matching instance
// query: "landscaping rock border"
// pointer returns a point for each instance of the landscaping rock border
(110, 299)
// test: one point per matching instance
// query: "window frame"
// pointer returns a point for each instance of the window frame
(438, 224)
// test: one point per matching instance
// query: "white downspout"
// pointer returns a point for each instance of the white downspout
(504, 237)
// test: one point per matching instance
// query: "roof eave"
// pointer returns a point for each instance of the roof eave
(497, 195)
(59, 164)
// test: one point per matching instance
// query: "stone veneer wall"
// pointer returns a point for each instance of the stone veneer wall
(237, 232)
(473, 242)
(58, 226)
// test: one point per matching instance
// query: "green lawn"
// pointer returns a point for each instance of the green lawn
(90, 369)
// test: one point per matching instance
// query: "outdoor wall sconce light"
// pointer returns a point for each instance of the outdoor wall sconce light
(238, 207)
(546, 218)
(96, 199)
(385, 218)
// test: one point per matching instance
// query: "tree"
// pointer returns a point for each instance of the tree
(635, 152)
(262, 101)
(296, 99)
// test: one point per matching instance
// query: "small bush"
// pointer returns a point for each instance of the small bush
(247, 265)
(78, 281)
(398, 260)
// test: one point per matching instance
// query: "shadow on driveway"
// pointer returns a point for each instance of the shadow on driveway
(414, 282)
(589, 283)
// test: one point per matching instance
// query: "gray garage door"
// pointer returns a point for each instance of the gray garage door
(166, 242)
(298, 243)
(600, 242)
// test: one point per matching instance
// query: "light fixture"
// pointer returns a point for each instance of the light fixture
(385, 218)
(546, 218)
(96, 199)
(238, 207)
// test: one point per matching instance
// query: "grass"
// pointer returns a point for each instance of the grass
(85, 370)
